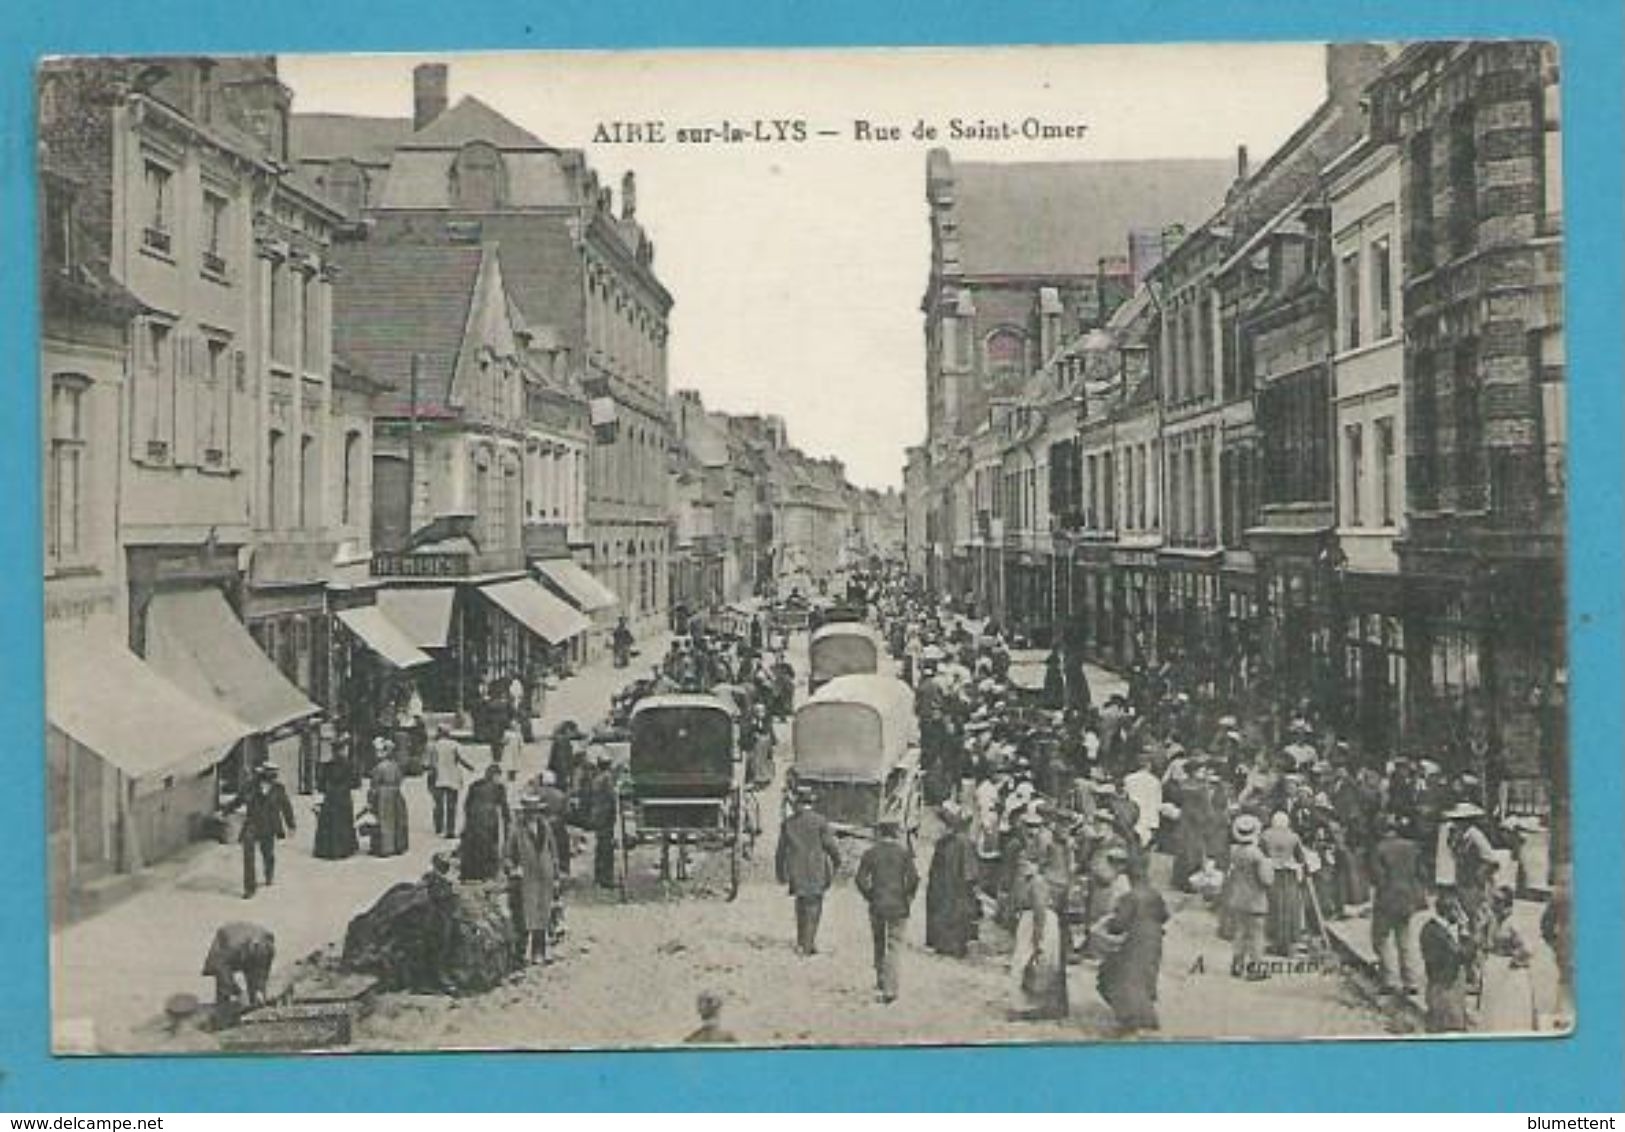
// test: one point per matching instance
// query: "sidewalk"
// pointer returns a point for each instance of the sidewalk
(1352, 939)
(113, 970)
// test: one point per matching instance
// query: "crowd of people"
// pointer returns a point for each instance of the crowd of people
(1063, 823)
(1058, 811)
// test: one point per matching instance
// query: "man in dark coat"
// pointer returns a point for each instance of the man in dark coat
(1396, 874)
(807, 860)
(561, 755)
(601, 811)
(267, 818)
(888, 880)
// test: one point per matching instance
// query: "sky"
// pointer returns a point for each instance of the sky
(798, 267)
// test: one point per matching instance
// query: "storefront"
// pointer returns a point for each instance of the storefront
(1188, 616)
(1093, 602)
(1297, 629)
(1484, 653)
(131, 760)
(1136, 575)
(1241, 668)
(1372, 648)
(541, 621)
(372, 661)
(194, 639)
(595, 601)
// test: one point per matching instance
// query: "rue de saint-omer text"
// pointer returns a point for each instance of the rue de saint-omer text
(791, 131)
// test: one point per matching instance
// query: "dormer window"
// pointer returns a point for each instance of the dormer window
(478, 178)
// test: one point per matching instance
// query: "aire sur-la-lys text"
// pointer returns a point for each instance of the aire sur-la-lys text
(793, 131)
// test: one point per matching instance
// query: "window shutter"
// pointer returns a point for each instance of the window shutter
(186, 401)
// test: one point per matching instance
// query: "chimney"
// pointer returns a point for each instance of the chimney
(1241, 163)
(629, 196)
(429, 85)
(1350, 67)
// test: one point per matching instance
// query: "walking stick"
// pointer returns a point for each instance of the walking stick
(1314, 902)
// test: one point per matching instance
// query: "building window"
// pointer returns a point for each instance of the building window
(478, 178)
(1350, 269)
(1419, 206)
(1382, 288)
(346, 186)
(309, 483)
(158, 234)
(215, 233)
(1006, 352)
(154, 398)
(310, 297)
(215, 403)
(58, 249)
(1354, 471)
(281, 314)
(349, 502)
(1385, 469)
(1469, 429)
(276, 471)
(65, 502)
(1463, 181)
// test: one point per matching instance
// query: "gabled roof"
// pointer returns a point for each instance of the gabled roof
(327, 137)
(1062, 218)
(396, 300)
(470, 121)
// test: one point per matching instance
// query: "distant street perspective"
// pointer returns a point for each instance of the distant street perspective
(432, 664)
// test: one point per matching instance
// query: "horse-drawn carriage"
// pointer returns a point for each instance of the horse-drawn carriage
(857, 746)
(843, 649)
(685, 785)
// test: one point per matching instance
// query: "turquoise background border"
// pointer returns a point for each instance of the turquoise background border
(1581, 1073)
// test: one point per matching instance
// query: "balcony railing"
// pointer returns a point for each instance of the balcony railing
(157, 239)
(213, 264)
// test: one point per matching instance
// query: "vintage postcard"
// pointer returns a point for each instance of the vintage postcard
(887, 547)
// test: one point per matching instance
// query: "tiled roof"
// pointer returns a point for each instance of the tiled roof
(326, 137)
(469, 121)
(396, 300)
(1062, 218)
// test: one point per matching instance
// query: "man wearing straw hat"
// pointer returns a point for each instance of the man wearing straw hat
(1247, 888)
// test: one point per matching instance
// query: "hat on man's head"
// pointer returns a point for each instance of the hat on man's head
(529, 801)
(1463, 810)
(1245, 828)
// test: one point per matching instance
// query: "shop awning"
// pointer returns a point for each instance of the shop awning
(383, 637)
(534, 606)
(104, 697)
(424, 615)
(585, 592)
(194, 640)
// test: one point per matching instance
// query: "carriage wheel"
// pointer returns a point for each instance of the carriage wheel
(753, 822)
(912, 807)
(626, 848)
(736, 850)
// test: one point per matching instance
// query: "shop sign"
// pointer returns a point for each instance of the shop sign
(393, 564)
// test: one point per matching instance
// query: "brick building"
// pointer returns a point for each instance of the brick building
(573, 264)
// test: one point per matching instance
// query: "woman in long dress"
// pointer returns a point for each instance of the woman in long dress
(1038, 963)
(388, 804)
(1128, 974)
(484, 811)
(1285, 922)
(335, 819)
(532, 863)
(950, 890)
